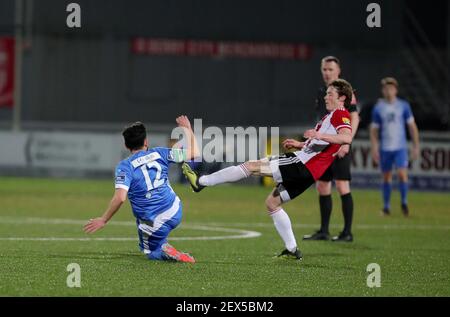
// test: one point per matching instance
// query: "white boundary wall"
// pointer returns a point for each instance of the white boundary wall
(79, 153)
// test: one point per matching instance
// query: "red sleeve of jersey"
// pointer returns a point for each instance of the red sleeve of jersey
(341, 119)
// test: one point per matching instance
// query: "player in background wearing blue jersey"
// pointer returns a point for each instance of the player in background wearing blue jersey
(143, 176)
(390, 116)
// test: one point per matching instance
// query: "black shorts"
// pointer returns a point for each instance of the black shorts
(339, 170)
(291, 175)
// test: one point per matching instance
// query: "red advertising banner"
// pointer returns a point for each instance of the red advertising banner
(167, 47)
(6, 71)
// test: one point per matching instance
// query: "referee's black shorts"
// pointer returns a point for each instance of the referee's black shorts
(339, 170)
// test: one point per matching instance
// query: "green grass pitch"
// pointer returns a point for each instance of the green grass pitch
(414, 253)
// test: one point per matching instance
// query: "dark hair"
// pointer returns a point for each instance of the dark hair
(343, 88)
(389, 81)
(134, 136)
(329, 59)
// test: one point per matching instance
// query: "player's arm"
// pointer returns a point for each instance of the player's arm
(120, 195)
(414, 133)
(375, 134)
(375, 146)
(354, 115)
(290, 144)
(192, 149)
(354, 118)
(344, 136)
(413, 130)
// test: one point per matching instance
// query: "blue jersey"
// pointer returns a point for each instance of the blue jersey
(145, 176)
(391, 120)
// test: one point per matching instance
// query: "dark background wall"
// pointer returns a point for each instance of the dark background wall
(90, 74)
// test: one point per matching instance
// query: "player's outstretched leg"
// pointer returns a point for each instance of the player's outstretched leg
(192, 178)
(227, 175)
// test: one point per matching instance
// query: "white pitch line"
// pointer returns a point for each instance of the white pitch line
(245, 235)
(357, 226)
(57, 221)
(241, 234)
(65, 239)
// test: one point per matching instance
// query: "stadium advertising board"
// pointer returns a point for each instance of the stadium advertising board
(101, 152)
(65, 150)
(219, 49)
(430, 171)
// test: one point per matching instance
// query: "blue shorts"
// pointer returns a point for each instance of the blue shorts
(152, 235)
(398, 158)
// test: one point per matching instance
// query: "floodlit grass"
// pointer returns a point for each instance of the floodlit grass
(414, 253)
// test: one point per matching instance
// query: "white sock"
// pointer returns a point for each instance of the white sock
(284, 227)
(226, 175)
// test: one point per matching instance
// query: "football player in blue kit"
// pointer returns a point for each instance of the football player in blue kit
(143, 177)
(390, 116)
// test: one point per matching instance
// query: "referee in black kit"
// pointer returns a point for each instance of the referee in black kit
(340, 169)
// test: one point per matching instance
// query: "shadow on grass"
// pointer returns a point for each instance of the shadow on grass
(352, 246)
(96, 255)
(135, 257)
(324, 254)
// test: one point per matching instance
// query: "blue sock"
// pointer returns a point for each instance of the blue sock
(387, 189)
(403, 187)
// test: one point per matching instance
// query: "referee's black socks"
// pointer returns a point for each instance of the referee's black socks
(326, 205)
(347, 210)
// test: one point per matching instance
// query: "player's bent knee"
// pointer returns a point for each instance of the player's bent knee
(272, 206)
(273, 203)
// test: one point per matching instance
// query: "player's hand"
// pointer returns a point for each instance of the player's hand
(343, 151)
(415, 153)
(312, 134)
(94, 225)
(292, 144)
(376, 156)
(183, 121)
